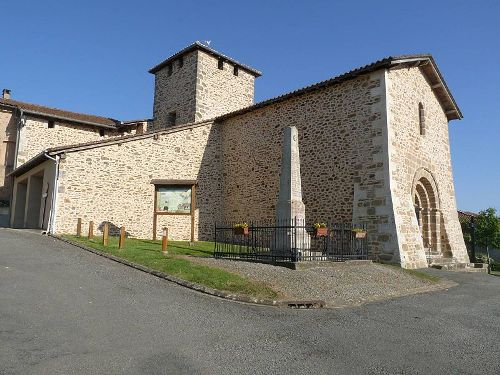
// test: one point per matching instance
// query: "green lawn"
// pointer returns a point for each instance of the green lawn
(148, 253)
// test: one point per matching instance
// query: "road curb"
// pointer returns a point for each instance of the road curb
(315, 304)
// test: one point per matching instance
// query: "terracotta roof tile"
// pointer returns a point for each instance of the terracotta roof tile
(443, 93)
(61, 114)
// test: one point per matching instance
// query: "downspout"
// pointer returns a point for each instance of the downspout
(53, 204)
(18, 135)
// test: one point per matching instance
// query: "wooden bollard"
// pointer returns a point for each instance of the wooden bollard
(121, 242)
(164, 241)
(79, 227)
(91, 230)
(105, 234)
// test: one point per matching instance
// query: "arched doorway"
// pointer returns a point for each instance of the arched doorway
(427, 210)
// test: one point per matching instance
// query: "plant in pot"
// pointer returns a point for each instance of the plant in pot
(241, 229)
(359, 232)
(320, 230)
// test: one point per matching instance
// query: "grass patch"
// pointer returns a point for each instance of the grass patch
(148, 253)
(419, 274)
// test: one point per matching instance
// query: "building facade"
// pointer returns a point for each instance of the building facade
(374, 150)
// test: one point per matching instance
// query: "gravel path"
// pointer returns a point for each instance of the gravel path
(338, 284)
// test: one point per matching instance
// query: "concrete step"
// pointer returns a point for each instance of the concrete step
(433, 255)
(463, 267)
(439, 260)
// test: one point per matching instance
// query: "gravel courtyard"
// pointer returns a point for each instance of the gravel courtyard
(338, 284)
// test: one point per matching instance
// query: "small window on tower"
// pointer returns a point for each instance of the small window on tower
(171, 119)
(181, 62)
(220, 64)
(235, 71)
(101, 132)
(169, 70)
(421, 118)
(51, 124)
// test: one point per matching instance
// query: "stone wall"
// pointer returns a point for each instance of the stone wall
(36, 136)
(176, 92)
(336, 127)
(113, 182)
(360, 148)
(372, 201)
(220, 91)
(199, 90)
(7, 151)
(410, 154)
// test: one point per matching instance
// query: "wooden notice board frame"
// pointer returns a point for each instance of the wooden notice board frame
(180, 183)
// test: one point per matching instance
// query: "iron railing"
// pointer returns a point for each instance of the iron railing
(290, 241)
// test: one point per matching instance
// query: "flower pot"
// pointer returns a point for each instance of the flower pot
(241, 231)
(321, 232)
(359, 234)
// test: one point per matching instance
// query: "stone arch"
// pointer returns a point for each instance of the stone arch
(425, 195)
(427, 179)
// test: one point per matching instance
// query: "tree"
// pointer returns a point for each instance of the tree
(488, 228)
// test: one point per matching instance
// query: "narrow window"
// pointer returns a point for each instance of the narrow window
(171, 119)
(235, 70)
(421, 118)
(181, 62)
(101, 132)
(51, 124)
(220, 64)
(169, 70)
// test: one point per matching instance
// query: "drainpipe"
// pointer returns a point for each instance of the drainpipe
(18, 135)
(52, 216)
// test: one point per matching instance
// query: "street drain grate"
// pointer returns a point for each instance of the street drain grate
(305, 304)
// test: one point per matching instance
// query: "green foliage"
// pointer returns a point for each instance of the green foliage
(495, 266)
(488, 228)
(467, 236)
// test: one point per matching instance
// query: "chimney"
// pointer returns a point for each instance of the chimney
(5, 94)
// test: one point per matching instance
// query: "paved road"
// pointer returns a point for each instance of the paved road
(66, 311)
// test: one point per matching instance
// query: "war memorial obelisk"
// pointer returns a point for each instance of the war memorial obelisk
(290, 210)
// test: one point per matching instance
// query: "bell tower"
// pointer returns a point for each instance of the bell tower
(199, 83)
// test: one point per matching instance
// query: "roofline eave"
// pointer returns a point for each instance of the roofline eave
(68, 119)
(453, 112)
(30, 164)
(199, 46)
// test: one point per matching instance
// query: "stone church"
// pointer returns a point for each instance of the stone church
(374, 149)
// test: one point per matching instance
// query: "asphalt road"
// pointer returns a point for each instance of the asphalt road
(66, 311)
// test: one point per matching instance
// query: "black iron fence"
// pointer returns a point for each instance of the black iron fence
(291, 241)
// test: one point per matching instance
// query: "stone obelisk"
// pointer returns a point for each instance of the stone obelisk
(290, 209)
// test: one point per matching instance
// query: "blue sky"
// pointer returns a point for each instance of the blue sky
(93, 56)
